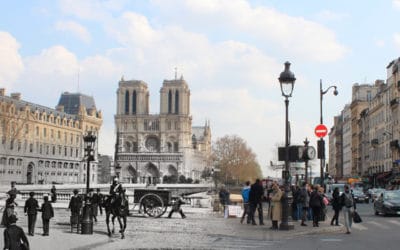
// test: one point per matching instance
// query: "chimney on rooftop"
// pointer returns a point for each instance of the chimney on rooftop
(2, 91)
(16, 96)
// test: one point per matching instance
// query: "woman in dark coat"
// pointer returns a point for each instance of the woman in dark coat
(316, 205)
(336, 205)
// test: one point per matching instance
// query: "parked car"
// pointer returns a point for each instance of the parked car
(374, 193)
(359, 196)
(388, 203)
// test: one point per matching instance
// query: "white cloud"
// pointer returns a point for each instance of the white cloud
(328, 15)
(11, 64)
(91, 9)
(295, 35)
(151, 49)
(396, 4)
(75, 28)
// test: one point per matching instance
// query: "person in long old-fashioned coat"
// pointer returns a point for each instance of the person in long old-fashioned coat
(31, 207)
(47, 214)
(276, 214)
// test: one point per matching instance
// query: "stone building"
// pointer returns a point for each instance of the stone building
(105, 169)
(151, 147)
(45, 145)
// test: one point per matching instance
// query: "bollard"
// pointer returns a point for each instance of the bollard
(87, 219)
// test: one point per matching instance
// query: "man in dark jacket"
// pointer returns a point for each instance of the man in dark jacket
(255, 200)
(14, 236)
(75, 205)
(47, 214)
(31, 207)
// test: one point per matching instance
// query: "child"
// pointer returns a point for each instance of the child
(176, 207)
(47, 214)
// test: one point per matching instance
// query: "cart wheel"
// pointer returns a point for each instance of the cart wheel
(153, 205)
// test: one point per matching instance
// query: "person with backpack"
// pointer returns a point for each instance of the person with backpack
(349, 206)
(246, 206)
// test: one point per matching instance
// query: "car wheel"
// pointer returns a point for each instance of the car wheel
(376, 212)
(367, 201)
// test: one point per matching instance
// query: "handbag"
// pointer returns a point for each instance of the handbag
(356, 217)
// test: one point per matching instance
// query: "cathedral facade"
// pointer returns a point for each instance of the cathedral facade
(152, 147)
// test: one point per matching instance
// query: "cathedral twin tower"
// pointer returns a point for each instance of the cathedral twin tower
(152, 147)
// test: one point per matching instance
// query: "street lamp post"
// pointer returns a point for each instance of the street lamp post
(286, 80)
(87, 219)
(321, 143)
(306, 142)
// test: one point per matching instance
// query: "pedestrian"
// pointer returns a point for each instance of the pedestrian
(276, 207)
(47, 214)
(255, 201)
(336, 205)
(30, 209)
(95, 202)
(316, 205)
(349, 206)
(100, 198)
(75, 205)
(13, 191)
(295, 211)
(224, 198)
(304, 200)
(14, 236)
(246, 206)
(53, 192)
(9, 210)
(176, 207)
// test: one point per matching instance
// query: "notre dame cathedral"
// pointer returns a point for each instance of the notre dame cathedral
(152, 147)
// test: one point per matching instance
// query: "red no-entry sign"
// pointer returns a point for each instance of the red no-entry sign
(321, 130)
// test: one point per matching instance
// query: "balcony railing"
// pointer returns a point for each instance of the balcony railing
(146, 157)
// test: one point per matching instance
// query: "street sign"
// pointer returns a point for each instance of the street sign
(321, 131)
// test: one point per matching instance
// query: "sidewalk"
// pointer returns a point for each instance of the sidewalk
(200, 230)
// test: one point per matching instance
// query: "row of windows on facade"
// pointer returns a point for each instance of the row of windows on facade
(14, 132)
(152, 125)
(44, 117)
(134, 102)
(66, 165)
(44, 149)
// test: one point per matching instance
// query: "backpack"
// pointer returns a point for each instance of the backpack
(348, 200)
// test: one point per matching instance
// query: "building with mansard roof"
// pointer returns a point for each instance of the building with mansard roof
(151, 147)
(45, 145)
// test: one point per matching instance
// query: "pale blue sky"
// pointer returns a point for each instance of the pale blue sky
(230, 52)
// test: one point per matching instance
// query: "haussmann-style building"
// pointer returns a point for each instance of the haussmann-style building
(45, 145)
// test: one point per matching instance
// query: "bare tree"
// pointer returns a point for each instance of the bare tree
(236, 161)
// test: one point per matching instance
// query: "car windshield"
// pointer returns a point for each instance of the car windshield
(392, 195)
(357, 192)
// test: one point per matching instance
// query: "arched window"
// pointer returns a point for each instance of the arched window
(134, 102)
(177, 102)
(127, 102)
(169, 102)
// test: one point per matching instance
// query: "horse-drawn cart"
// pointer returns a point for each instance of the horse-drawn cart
(154, 202)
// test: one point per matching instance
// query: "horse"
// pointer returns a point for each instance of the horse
(118, 209)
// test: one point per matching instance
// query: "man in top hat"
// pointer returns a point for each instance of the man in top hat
(14, 236)
(30, 209)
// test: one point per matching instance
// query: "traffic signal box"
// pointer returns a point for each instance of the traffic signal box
(321, 149)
